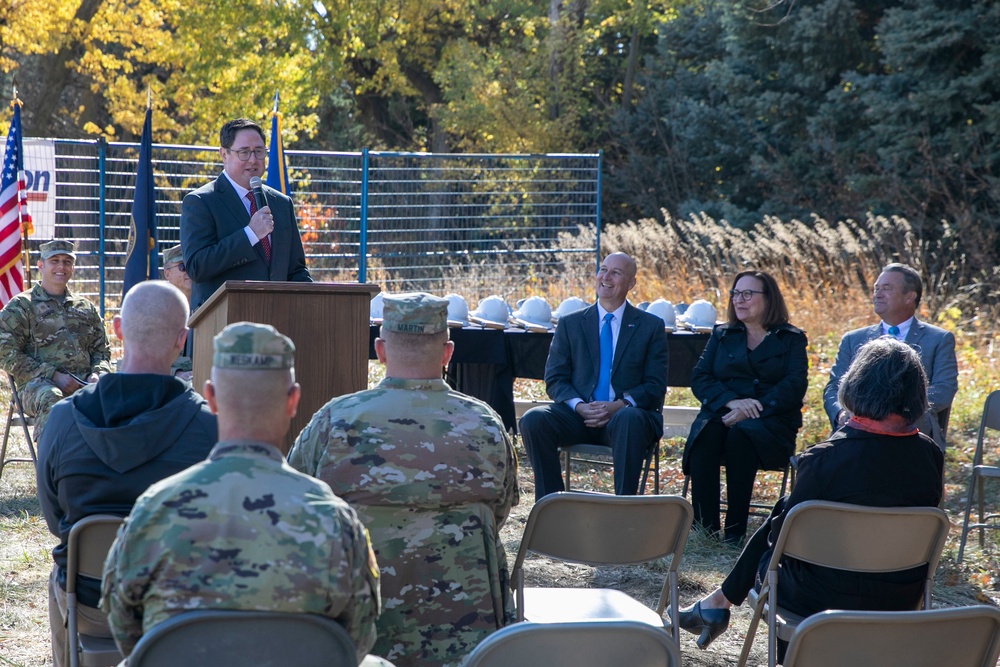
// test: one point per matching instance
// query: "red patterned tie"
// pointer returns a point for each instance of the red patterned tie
(265, 243)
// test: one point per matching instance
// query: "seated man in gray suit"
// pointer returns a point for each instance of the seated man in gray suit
(607, 376)
(224, 236)
(896, 297)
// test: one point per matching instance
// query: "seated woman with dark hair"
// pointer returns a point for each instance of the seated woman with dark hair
(750, 381)
(877, 459)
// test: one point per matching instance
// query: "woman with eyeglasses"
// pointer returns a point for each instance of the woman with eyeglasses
(750, 380)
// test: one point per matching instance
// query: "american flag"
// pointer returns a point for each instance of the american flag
(13, 211)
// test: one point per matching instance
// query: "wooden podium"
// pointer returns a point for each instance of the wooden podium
(328, 322)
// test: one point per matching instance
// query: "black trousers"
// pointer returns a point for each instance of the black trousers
(629, 434)
(719, 445)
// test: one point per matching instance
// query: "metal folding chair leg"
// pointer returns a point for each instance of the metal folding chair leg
(15, 417)
(980, 473)
(756, 509)
(585, 452)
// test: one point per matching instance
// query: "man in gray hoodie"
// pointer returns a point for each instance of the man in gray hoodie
(103, 446)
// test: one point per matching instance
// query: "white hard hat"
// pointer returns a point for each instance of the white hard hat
(535, 310)
(570, 305)
(375, 309)
(493, 309)
(458, 309)
(665, 311)
(700, 314)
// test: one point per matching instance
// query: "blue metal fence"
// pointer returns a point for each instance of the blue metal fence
(470, 224)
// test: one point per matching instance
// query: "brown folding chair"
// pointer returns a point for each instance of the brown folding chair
(596, 644)
(980, 472)
(89, 541)
(846, 537)
(239, 638)
(602, 529)
(956, 637)
(16, 417)
(599, 455)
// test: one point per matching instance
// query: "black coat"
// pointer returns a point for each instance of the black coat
(860, 468)
(774, 373)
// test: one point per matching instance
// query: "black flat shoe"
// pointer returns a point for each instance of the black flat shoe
(706, 623)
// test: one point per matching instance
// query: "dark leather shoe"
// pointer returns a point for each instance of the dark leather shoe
(706, 623)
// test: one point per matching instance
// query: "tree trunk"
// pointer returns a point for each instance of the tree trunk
(555, 46)
(432, 97)
(633, 56)
(55, 68)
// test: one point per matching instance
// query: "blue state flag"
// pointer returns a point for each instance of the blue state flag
(140, 261)
(277, 171)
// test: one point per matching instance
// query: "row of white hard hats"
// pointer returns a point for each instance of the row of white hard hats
(700, 314)
(536, 311)
(533, 310)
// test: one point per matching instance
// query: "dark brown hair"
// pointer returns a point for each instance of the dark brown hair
(776, 312)
(227, 135)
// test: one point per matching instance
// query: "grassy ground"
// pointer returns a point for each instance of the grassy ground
(24, 566)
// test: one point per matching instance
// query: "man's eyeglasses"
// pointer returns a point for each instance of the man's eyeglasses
(178, 265)
(743, 295)
(244, 153)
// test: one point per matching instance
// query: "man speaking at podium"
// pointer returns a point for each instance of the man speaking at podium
(235, 229)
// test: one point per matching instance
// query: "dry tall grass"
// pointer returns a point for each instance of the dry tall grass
(825, 269)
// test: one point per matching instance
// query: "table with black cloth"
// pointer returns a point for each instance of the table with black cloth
(486, 361)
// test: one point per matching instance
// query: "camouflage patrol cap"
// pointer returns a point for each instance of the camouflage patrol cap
(172, 255)
(415, 313)
(252, 346)
(61, 247)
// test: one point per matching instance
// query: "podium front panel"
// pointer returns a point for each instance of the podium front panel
(327, 322)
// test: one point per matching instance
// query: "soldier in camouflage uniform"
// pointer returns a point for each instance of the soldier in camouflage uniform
(242, 530)
(175, 273)
(432, 474)
(52, 341)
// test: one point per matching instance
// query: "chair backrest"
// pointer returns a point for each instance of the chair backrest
(957, 637)
(990, 420)
(88, 544)
(87, 547)
(862, 539)
(601, 529)
(241, 638)
(592, 644)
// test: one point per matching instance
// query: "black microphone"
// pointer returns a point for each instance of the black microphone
(258, 193)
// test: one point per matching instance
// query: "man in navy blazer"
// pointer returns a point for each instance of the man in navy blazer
(896, 296)
(221, 240)
(629, 419)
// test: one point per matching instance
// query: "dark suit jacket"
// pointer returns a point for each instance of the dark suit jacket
(860, 468)
(216, 248)
(639, 367)
(936, 348)
(775, 373)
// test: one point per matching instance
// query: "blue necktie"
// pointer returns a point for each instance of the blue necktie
(603, 391)
(894, 331)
